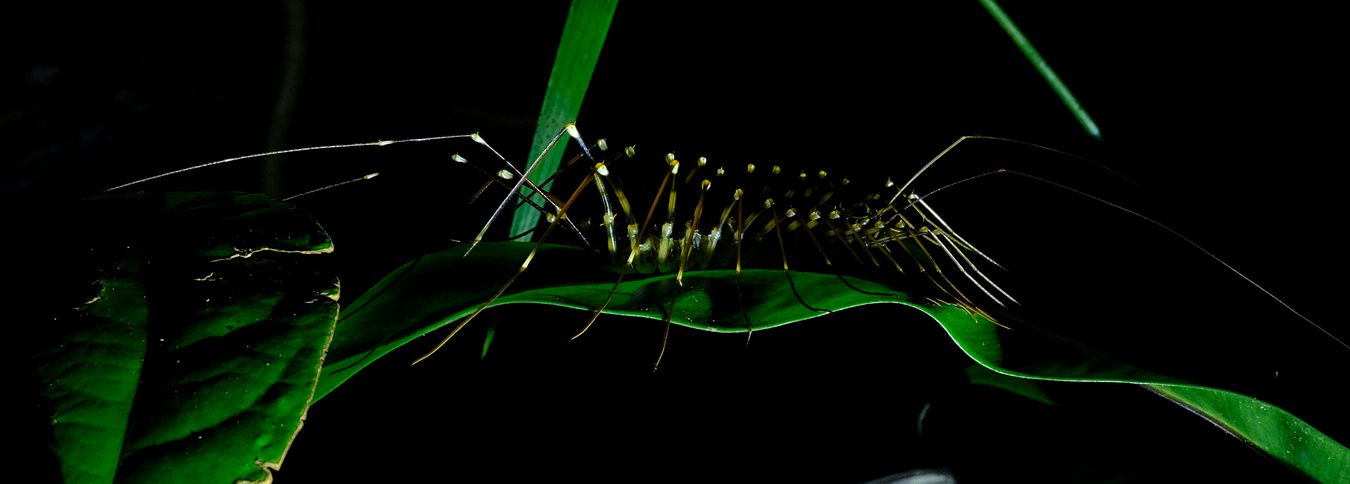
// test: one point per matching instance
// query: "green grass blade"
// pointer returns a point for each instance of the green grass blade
(1049, 74)
(583, 36)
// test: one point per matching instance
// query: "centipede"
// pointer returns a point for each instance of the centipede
(642, 214)
(663, 214)
(1032, 238)
(750, 220)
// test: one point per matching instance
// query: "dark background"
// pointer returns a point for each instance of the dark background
(1227, 120)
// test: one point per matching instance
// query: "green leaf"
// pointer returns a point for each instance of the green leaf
(190, 351)
(427, 294)
(583, 36)
(1043, 67)
(1266, 427)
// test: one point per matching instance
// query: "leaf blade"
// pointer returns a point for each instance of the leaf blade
(583, 36)
(1267, 427)
(1043, 68)
(701, 303)
(209, 320)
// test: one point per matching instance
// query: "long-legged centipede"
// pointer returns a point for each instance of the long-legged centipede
(869, 227)
(886, 226)
(1196, 135)
(890, 226)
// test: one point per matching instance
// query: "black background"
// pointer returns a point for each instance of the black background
(1229, 120)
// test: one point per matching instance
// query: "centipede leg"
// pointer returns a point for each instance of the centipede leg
(596, 315)
(782, 250)
(665, 342)
(523, 267)
(524, 178)
(739, 199)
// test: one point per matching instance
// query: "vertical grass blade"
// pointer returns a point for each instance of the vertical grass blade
(1044, 68)
(583, 35)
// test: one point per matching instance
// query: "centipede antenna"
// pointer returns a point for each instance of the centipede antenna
(1190, 242)
(283, 152)
(925, 167)
(335, 185)
(913, 200)
(962, 139)
(524, 265)
(916, 202)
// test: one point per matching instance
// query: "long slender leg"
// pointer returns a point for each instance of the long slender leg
(689, 234)
(651, 211)
(521, 270)
(782, 250)
(524, 176)
(599, 176)
(961, 267)
(739, 199)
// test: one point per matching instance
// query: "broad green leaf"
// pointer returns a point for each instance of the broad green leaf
(192, 351)
(583, 36)
(433, 291)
